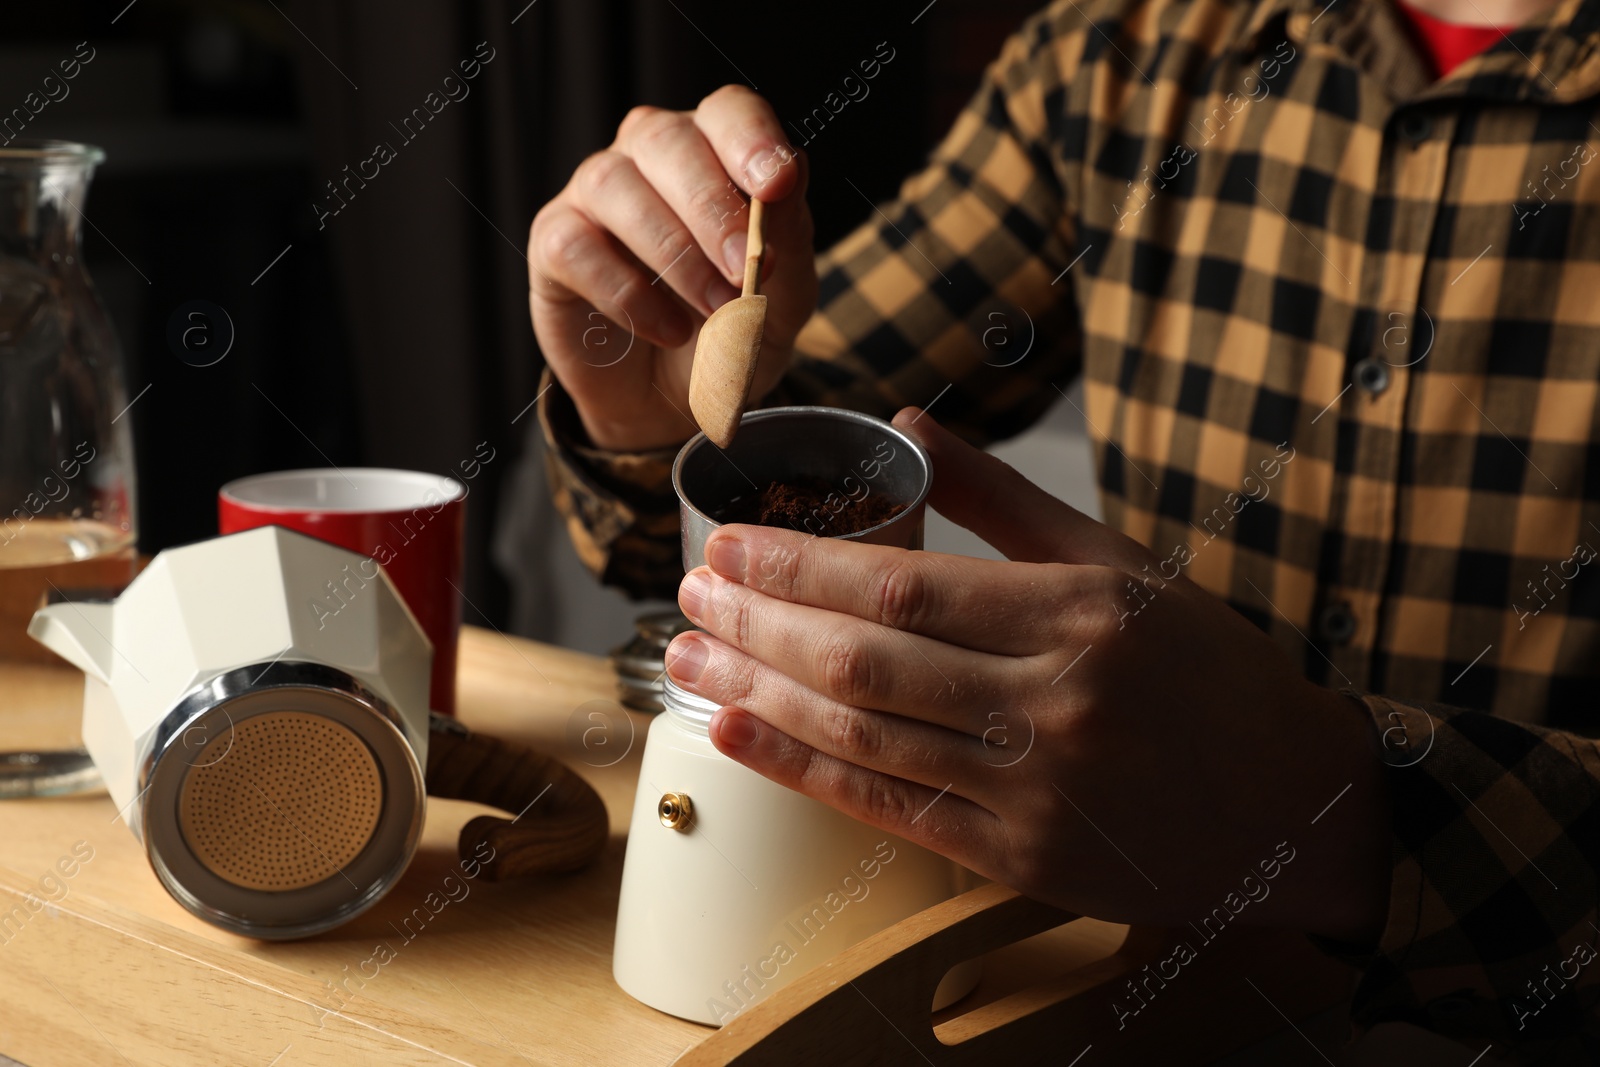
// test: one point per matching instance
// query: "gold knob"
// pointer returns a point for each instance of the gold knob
(675, 810)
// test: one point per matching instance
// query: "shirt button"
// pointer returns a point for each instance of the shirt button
(1336, 623)
(1415, 127)
(1372, 375)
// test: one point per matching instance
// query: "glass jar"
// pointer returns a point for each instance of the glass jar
(734, 885)
(67, 511)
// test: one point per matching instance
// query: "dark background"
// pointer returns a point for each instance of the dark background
(396, 333)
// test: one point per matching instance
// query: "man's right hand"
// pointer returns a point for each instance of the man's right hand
(650, 235)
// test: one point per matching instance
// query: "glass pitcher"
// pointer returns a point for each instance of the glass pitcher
(67, 498)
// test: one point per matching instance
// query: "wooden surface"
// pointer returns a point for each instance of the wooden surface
(515, 973)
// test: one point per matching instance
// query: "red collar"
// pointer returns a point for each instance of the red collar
(1448, 44)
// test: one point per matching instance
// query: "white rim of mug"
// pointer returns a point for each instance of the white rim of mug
(343, 483)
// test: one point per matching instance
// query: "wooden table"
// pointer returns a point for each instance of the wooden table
(115, 972)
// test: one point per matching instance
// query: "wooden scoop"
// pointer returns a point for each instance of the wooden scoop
(725, 355)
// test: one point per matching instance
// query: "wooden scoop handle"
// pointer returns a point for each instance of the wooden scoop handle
(559, 824)
(755, 248)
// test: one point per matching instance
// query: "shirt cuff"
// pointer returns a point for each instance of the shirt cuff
(620, 508)
(1493, 887)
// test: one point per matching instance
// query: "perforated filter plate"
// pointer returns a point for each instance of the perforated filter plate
(280, 801)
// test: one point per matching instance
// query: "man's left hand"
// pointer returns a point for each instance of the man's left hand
(1071, 722)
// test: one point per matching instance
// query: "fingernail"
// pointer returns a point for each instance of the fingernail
(719, 292)
(692, 594)
(733, 250)
(738, 730)
(764, 163)
(686, 660)
(726, 556)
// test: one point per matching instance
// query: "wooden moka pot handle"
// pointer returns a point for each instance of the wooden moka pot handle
(558, 823)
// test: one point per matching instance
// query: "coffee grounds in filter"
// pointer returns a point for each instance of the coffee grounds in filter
(789, 504)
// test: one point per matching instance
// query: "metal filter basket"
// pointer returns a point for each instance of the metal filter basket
(857, 454)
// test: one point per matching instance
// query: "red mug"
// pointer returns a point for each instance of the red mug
(408, 523)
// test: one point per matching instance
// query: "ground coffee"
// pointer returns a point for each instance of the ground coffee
(804, 504)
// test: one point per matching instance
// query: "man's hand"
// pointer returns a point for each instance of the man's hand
(646, 240)
(1021, 718)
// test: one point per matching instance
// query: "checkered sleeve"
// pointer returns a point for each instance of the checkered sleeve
(1490, 935)
(948, 298)
(619, 507)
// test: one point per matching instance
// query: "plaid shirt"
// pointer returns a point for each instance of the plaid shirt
(1339, 329)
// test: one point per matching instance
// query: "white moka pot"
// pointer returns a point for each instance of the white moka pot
(734, 885)
(258, 707)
